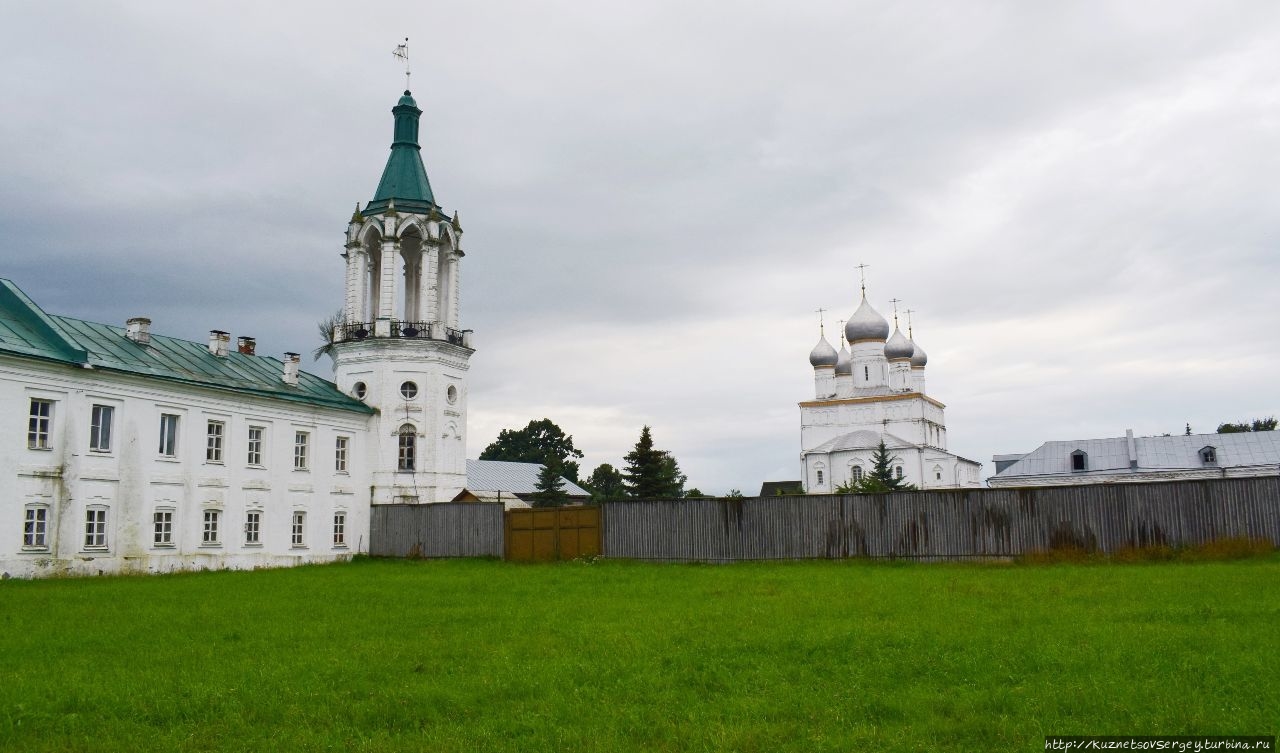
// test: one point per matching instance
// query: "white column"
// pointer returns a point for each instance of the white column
(387, 285)
(427, 284)
(455, 272)
(349, 297)
(411, 289)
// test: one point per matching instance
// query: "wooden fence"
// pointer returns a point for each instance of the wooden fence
(437, 530)
(945, 524)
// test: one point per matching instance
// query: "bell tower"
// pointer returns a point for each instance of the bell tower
(401, 348)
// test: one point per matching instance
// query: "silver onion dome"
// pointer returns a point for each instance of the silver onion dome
(823, 354)
(844, 364)
(898, 347)
(919, 358)
(866, 324)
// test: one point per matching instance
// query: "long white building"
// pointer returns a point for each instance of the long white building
(873, 389)
(130, 451)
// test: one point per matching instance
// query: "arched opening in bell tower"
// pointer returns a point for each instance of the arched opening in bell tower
(410, 300)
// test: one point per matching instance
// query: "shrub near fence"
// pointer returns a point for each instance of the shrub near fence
(950, 524)
(436, 530)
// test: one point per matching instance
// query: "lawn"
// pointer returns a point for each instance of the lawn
(613, 656)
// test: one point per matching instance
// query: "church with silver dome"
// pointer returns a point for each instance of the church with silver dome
(873, 389)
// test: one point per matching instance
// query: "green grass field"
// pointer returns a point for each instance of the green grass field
(611, 656)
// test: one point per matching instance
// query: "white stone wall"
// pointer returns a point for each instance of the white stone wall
(132, 480)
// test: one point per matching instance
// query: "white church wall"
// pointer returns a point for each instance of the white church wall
(135, 477)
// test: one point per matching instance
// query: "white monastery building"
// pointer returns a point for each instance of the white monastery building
(148, 453)
(873, 389)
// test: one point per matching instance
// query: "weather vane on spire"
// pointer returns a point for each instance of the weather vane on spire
(895, 302)
(862, 275)
(402, 53)
(821, 330)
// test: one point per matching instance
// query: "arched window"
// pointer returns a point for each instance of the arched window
(408, 445)
(937, 473)
(1209, 455)
(898, 471)
(857, 473)
(819, 477)
(1079, 461)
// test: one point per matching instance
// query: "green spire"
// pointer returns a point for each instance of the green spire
(404, 179)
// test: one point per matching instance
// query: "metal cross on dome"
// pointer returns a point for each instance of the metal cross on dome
(862, 276)
(402, 53)
(821, 330)
(895, 302)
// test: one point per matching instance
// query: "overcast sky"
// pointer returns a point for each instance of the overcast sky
(1079, 200)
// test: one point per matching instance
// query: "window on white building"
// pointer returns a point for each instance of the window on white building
(100, 420)
(856, 473)
(819, 477)
(39, 424)
(301, 447)
(255, 445)
(339, 529)
(35, 527)
(253, 528)
(407, 448)
(95, 528)
(209, 533)
(1079, 461)
(168, 435)
(341, 445)
(1209, 456)
(408, 390)
(937, 473)
(898, 471)
(213, 441)
(297, 535)
(162, 533)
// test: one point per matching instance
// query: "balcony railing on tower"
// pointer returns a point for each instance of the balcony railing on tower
(405, 330)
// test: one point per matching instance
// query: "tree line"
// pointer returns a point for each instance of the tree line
(648, 473)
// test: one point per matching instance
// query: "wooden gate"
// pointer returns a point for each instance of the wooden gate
(548, 534)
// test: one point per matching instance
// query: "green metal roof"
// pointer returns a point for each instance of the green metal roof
(26, 330)
(404, 179)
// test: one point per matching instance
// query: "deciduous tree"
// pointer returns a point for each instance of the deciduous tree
(539, 442)
(606, 483)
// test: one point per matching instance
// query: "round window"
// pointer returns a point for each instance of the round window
(452, 394)
(408, 390)
(359, 390)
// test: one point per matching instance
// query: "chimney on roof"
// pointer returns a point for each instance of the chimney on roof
(219, 341)
(1133, 449)
(246, 345)
(138, 329)
(290, 375)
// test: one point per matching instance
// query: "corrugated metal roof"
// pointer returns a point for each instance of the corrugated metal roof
(518, 478)
(26, 330)
(1181, 452)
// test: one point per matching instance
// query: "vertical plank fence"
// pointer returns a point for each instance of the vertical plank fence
(436, 530)
(951, 524)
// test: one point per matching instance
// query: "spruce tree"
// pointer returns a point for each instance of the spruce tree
(652, 473)
(550, 486)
